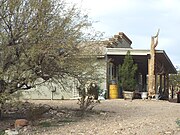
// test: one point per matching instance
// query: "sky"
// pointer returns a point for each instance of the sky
(139, 20)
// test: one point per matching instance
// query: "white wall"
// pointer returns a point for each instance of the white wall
(45, 92)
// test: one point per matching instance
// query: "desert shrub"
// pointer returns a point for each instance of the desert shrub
(2, 132)
(178, 122)
(88, 98)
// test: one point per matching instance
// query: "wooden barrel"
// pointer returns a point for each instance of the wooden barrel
(113, 91)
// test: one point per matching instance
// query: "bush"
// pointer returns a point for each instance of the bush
(178, 122)
(127, 73)
(2, 132)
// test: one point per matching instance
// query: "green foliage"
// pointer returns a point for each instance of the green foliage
(178, 122)
(127, 73)
(41, 41)
(4, 97)
(174, 80)
(2, 132)
(89, 97)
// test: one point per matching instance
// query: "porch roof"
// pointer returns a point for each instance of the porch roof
(143, 55)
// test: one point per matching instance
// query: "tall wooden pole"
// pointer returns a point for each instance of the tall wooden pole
(167, 86)
(151, 66)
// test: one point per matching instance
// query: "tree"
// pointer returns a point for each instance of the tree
(39, 40)
(175, 80)
(42, 41)
(127, 73)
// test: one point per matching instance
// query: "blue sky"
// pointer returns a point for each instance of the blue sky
(139, 20)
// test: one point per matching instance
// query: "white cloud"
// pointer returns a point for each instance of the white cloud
(139, 20)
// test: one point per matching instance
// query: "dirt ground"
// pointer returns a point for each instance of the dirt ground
(122, 117)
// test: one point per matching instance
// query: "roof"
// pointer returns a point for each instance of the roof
(123, 51)
(160, 55)
(125, 37)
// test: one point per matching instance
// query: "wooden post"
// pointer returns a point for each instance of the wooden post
(144, 82)
(107, 73)
(160, 89)
(164, 82)
(156, 83)
(168, 85)
(172, 91)
(165, 91)
(151, 66)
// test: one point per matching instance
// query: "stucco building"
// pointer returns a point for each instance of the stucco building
(113, 53)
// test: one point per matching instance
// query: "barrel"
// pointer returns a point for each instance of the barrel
(113, 91)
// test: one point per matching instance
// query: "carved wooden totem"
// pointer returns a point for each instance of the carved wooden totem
(151, 66)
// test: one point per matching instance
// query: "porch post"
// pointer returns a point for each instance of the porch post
(164, 79)
(172, 91)
(144, 82)
(107, 73)
(160, 89)
(156, 83)
(168, 85)
(166, 90)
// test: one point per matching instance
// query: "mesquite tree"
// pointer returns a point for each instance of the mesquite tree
(42, 41)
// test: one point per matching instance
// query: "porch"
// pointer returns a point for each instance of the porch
(163, 67)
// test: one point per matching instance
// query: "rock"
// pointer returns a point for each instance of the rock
(167, 132)
(11, 132)
(19, 123)
(80, 133)
(103, 113)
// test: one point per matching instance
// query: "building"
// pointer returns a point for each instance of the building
(113, 53)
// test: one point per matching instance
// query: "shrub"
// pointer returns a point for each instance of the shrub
(127, 73)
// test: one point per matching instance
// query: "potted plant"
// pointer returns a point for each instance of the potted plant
(127, 73)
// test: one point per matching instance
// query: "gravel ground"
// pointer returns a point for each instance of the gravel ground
(121, 117)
